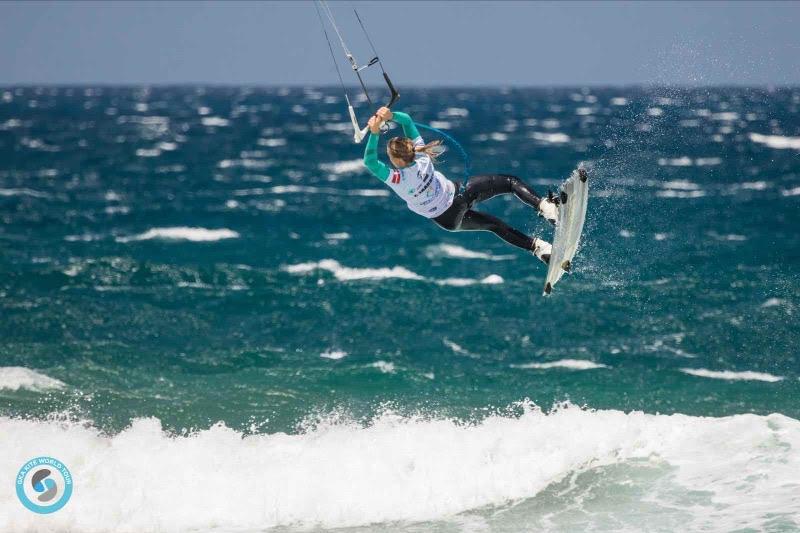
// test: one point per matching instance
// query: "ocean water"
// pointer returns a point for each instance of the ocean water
(219, 321)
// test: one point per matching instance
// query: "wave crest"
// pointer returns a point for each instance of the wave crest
(339, 473)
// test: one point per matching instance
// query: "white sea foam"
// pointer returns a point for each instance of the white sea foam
(271, 206)
(334, 354)
(368, 192)
(773, 302)
(776, 141)
(272, 143)
(457, 348)
(457, 282)
(459, 252)
(18, 377)
(257, 164)
(255, 191)
(682, 185)
(570, 364)
(182, 233)
(384, 367)
(308, 189)
(336, 236)
(741, 472)
(727, 237)
(86, 237)
(725, 116)
(301, 268)
(154, 122)
(10, 124)
(215, 121)
(451, 112)
(791, 192)
(685, 161)
(676, 162)
(344, 273)
(730, 375)
(117, 209)
(550, 138)
(148, 152)
(23, 192)
(491, 279)
(707, 161)
(754, 185)
(38, 144)
(680, 194)
(619, 101)
(344, 167)
(338, 127)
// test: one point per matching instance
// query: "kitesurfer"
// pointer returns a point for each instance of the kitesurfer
(429, 193)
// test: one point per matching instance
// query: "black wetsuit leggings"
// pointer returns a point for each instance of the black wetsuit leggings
(461, 217)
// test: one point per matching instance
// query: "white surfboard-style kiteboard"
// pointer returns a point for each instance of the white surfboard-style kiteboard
(571, 216)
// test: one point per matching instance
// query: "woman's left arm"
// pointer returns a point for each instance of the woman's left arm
(404, 119)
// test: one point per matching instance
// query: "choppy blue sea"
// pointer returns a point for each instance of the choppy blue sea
(220, 321)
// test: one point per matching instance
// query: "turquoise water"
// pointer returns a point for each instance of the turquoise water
(209, 275)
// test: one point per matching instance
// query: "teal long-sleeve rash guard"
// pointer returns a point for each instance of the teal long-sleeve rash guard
(380, 169)
(425, 190)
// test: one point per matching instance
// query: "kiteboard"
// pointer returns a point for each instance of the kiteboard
(574, 198)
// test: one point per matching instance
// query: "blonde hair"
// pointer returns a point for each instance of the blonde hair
(403, 148)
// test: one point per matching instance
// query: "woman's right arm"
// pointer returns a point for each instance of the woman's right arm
(378, 168)
(404, 119)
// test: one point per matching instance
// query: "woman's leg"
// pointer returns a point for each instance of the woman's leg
(485, 186)
(478, 221)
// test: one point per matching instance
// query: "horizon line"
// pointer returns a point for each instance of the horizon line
(357, 88)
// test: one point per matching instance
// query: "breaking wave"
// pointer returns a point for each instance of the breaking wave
(741, 471)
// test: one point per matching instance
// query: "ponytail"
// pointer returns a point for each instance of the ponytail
(433, 149)
(403, 149)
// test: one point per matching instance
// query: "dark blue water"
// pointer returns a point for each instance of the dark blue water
(198, 256)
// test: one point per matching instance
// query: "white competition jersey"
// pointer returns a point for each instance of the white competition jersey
(426, 191)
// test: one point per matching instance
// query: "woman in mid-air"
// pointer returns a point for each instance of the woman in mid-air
(428, 193)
